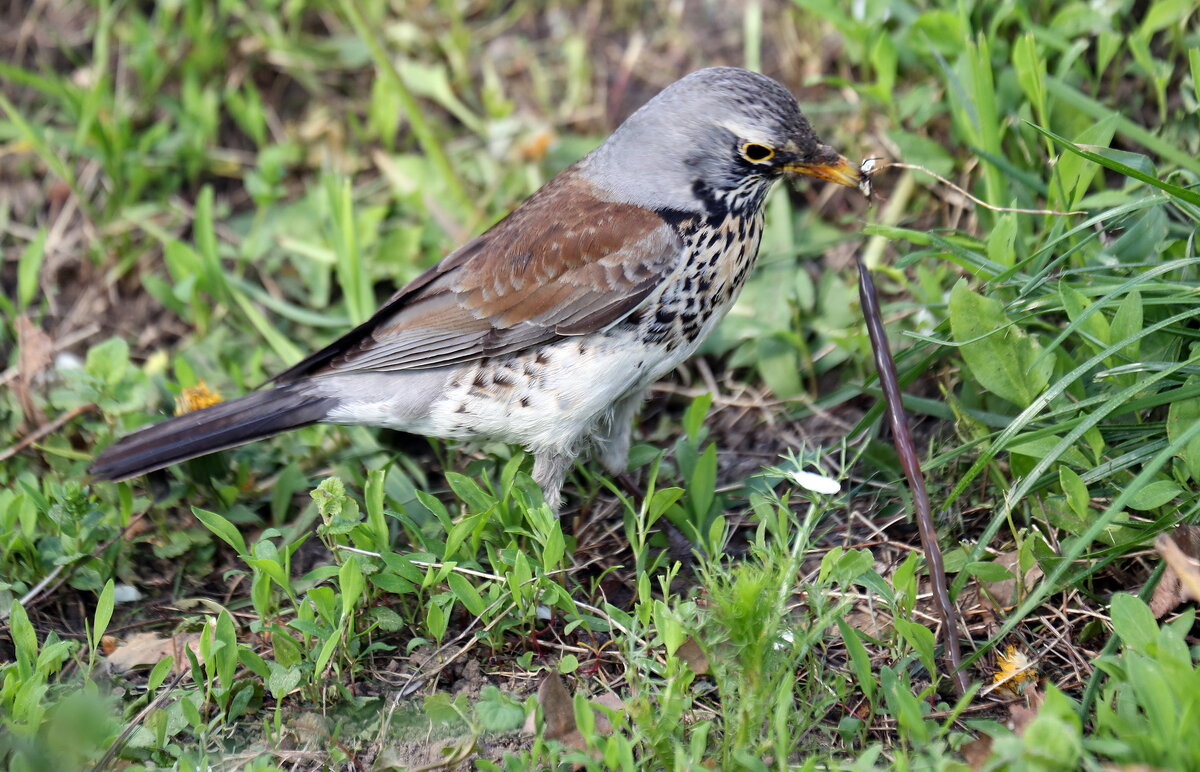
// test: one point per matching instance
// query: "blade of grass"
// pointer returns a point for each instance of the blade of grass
(1190, 196)
(1126, 127)
(1027, 415)
(425, 135)
(1054, 578)
(284, 348)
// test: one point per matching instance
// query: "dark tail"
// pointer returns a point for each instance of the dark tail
(225, 425)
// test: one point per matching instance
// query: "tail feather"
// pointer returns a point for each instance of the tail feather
(225, 425)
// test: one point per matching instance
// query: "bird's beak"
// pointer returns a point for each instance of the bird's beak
(833, 168)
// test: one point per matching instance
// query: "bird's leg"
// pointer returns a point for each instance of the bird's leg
(612, 437)
(549, 471)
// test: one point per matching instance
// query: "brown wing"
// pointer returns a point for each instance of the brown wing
(565, 262)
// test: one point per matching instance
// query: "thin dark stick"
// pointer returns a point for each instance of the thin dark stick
(41, 432)
(902, 438)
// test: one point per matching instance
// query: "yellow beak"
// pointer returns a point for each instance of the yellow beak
(840, 171)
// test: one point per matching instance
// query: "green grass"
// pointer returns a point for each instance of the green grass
(205, 191)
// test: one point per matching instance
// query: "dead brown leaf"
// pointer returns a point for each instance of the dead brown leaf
(612, 702)
(148, 649)
(558, 710)
(1181, 581)
(1008, 593)
(36, 354)
(1021, 716)
(691, 653)
(558, 713)
(872, 621)
(976, 752)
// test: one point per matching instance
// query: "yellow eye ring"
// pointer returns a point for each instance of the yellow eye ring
(757, 153)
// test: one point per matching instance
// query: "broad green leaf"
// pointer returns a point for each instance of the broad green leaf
(883, 62)
(273, 570)
(466, 593)
(860, 660)
(104, 611)
(226, 655)
(435, 621)
(1055, 734)
(703, 485)
(1093, 325)
(108, 361)
(1000, 241)
(779, 362)
(904, 705)
(988, 571)
(1043, 447)
(159, 673)
(350, 581)
(191, 712)
(1183, 412)
(224, 529)
(373, 497)
(922, 151)
(496, 712)
(24, 639)
(29, 268)
(282, 680)
(943, 32)
(920, 638)
(440, 707)
(253, 662)
(1127, 323)
(554, 546)
(327, 650)
(285, 648)
(205, 234)
(1154, 495)
(694, 415)
(1133, 621)
(387, 620)
(999, 355)
(468, 490)
(1075, 490)
(1165, 13)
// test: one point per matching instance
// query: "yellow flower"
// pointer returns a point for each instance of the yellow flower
(194, 398)
(1013, 671)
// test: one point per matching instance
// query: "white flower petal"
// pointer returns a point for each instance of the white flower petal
(126, 593)
(816, 483)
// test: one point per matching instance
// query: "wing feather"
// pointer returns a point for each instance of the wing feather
(566, 262)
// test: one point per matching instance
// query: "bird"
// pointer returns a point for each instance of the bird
(547, 330)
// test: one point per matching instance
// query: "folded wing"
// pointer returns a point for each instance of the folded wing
(564, 263)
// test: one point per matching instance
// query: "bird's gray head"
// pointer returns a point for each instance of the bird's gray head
(712, 142)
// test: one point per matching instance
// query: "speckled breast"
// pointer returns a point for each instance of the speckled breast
(720, 258)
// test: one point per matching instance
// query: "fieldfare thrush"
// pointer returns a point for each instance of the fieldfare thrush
(547, 330)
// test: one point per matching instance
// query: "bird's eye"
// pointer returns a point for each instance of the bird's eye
(756, 153)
